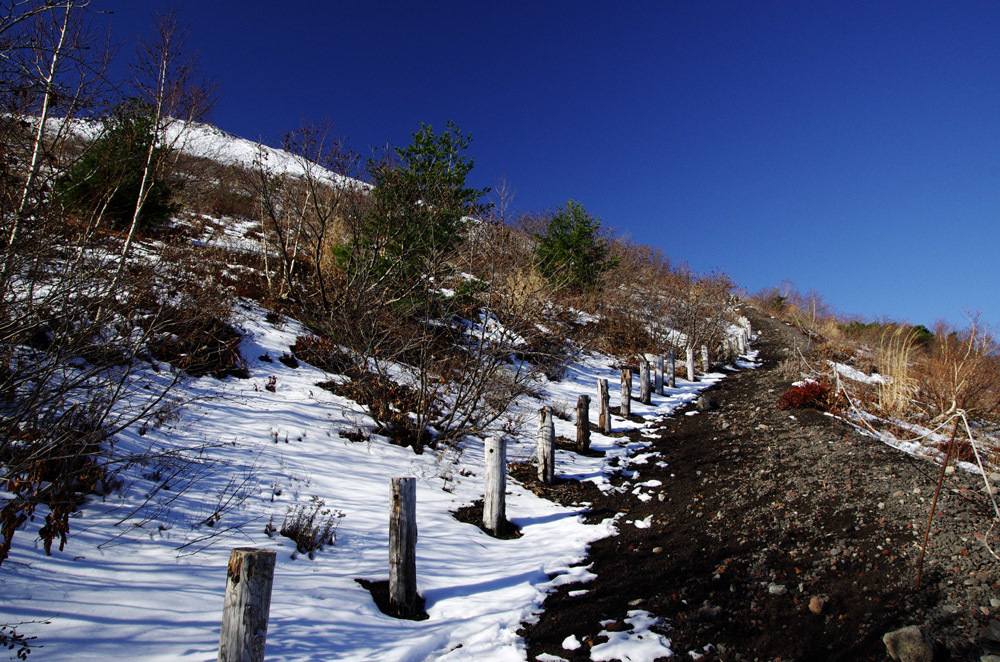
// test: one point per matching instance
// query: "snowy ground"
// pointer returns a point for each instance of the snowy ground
(138, 596)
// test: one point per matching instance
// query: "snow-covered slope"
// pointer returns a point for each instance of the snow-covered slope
(143, 574)
(139, 596)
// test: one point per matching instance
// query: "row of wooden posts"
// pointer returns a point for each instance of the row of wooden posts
(251, 570)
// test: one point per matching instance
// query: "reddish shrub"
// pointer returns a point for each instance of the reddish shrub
(809, 394)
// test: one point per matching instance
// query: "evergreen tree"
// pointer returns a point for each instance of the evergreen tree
(107, 180)
(420, 199)
(570, 253)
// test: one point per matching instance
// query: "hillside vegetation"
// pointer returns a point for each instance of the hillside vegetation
(135, 239)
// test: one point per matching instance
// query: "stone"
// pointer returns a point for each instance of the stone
(816, 604)
(705, 403)
(990, 658)
(992, 631)
(777, 589)
(909, 644)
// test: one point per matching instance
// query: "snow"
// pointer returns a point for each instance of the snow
(143, 574)
(852, 373)
(637, 644)
(247, 454)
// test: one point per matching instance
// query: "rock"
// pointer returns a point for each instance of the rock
(949, 470)
(995, 603)
(909, 644)
(709, 611)
(990, 658)
(995, 477)
(705, 403)
(992, 631)
(657, 550)
(777, 589)
(816, 604)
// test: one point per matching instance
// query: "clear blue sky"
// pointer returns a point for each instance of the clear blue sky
(852, 147)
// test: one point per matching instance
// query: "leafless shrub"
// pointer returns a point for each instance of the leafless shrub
(312, 527)
(960, 371)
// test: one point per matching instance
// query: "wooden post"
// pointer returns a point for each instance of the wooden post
(659, 374)
(604, 402)
(705, 365)
(626, 401)
(403, 547)
(583, 423)
(247, 605)
(546, 446)
(495, 489)
(690, 364)
(644, 396)
(671, 369)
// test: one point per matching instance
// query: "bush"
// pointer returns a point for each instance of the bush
(813, 395)
(312, 526)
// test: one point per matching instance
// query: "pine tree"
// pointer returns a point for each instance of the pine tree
(107, 179)
(570, 254)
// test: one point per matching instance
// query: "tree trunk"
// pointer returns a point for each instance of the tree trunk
(644, 395)
(583, 423)
(626, 400)
(403, 547)
(546, 446)
(247, 605)
(494, 494)
(604, 401)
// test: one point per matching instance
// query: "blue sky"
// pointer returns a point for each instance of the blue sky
(850, 147)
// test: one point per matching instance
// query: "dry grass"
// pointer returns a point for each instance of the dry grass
(897, 392)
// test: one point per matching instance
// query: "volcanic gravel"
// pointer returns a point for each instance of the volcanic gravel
(780, 535)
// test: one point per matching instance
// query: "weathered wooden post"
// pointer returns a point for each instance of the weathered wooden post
(644, 395)
(583, 423)
(604, 404)
(705, 365)
(546, 446)
(690, 364)
(671, 369)
(626, 400)
(403, 547)
(247, 605)
(495, 488)
(659, 374)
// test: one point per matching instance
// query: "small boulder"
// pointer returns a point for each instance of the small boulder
(705, 403)
(909, 644)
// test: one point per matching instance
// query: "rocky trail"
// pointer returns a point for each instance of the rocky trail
(780, 535)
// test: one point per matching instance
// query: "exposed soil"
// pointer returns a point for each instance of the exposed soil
(783, 535)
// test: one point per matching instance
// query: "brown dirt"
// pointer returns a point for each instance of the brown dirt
(754, 498)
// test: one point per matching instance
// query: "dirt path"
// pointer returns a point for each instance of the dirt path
(765, 513)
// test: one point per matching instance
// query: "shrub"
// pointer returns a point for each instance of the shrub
(311, 526)
(813, 395)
